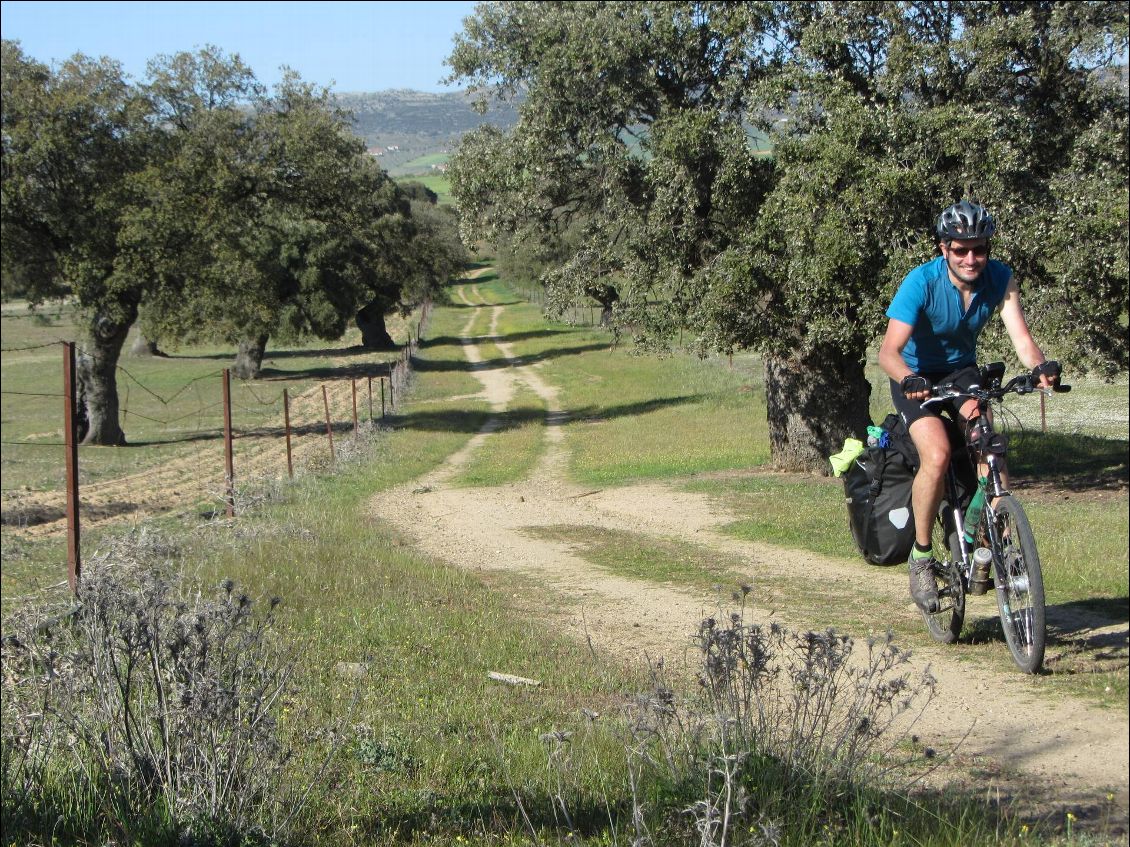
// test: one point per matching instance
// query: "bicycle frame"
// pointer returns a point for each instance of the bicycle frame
(990, 450)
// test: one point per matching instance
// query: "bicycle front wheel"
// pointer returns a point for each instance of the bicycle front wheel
(1019, 585)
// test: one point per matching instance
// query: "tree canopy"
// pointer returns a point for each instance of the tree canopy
(639, 122)
(72, 138)
(291, 227)
(211, 206)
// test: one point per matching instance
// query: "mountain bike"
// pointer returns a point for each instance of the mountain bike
(986, 534)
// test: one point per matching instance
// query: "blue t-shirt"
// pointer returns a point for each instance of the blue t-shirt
(945, 333)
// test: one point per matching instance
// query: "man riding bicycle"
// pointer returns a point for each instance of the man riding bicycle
(935, 317)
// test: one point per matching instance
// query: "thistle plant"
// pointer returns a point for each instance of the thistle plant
(142, 701)
(809, 707)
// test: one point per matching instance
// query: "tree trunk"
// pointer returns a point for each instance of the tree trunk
(371, 322)
(97, 378)
(143, 347)
(607, 296)
(249, 357)
(814, 402)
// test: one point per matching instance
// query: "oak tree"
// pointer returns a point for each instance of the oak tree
(73, 137)
(643, 120)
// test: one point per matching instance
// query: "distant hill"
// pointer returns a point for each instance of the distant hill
(414, 131)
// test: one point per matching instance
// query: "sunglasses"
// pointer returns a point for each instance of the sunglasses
(981, 250)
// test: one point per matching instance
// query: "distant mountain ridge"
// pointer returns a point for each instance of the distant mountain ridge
(420, 127)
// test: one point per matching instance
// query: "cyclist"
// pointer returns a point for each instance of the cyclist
(935, 317)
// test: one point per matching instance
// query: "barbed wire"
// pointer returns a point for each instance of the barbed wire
(34, 444)
(33, 394)
(258, 399)
(177, 393)
(166, 421)
(33, 346)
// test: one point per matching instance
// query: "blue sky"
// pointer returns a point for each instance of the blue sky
(356, 46)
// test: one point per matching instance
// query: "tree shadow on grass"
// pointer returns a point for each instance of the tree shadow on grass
(445, 340)
(455, 305)
(355, 350)
(799, 801)
(437, 366)
(456, 420)
(296, 430)
(361, 370)
(1066, 461)
(1097, 627)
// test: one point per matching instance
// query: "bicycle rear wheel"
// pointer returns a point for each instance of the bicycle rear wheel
(1020, 585)
(945, 624)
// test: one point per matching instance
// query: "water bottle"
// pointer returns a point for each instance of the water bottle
(973, 513)
(982, 561)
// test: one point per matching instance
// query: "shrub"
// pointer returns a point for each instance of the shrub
(142, 704)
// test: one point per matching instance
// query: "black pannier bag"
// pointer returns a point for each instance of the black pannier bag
(878, 488)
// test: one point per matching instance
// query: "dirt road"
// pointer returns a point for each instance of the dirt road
(1062, 755)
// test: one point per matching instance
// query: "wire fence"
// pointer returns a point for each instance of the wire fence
(205, 436)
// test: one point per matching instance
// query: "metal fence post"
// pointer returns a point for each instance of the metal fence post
(74, 559)
(286, 423)
(229, 464)
(329, 426)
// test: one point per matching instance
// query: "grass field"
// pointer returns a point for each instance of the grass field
(437, 182)
(393, 648)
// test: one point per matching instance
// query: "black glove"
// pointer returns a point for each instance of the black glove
(913, 383)
(1050, 368)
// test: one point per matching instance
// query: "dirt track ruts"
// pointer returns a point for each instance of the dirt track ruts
(1058, 753)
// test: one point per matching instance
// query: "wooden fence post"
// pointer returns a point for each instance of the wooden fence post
(74, 559)
(329, 426)
(286, 423)
(370, 378)
(382, 398)
(229, 465)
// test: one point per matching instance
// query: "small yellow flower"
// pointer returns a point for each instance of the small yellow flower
(1070, 816)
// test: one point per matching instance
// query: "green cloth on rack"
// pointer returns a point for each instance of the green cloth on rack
(841, 462)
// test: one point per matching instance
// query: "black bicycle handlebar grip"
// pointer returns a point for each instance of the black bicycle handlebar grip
(1061, 389)
(912, 383)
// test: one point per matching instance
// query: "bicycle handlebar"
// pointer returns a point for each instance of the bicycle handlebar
(1024, 383)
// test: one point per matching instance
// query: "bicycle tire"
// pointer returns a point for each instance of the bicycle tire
(945, 624)
(1019, 586)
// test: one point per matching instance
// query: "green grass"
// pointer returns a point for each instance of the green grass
(514, 447)
(438, 183)
(434, 752)
(426, 161)
(634, 418)
(646, 558)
